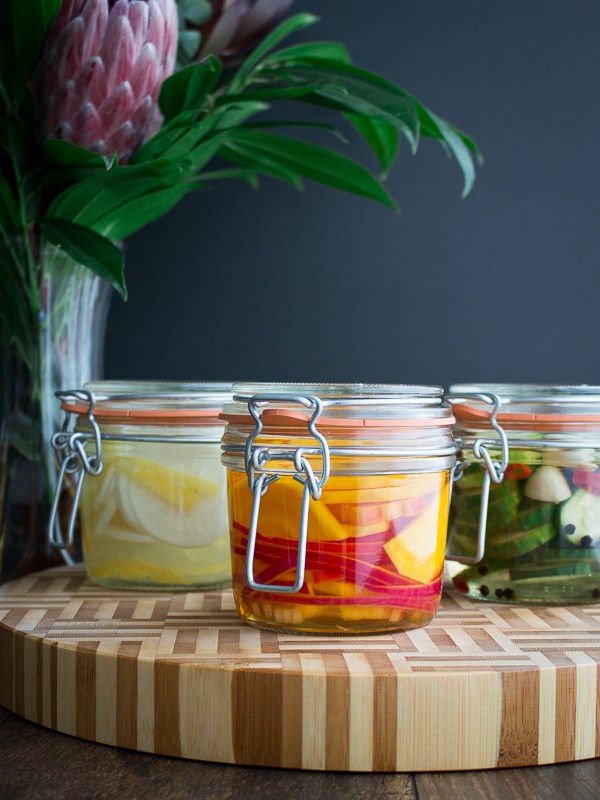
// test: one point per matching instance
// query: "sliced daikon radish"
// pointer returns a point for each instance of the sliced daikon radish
(106, 487)
(570, 458)
(548, 484)
(173, 485)
(126, 535)
(198, 527)
(106, 514)
(580, 519)
(123, 491)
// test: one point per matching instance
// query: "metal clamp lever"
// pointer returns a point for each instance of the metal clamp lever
(257, 458)
(70, 448)
(492, 471)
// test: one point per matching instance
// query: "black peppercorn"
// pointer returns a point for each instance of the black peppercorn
(483, 570)
(484, 590)
(499, 593)
(569, 529)
(586, 541)
(509, 594)
(595, 593)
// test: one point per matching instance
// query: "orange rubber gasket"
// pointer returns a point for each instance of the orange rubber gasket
(185, 416)
(466, 413)
(284, 418)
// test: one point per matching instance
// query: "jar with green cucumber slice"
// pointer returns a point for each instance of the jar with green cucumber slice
(542, 528)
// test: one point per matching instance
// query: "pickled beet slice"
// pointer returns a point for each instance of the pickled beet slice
(590, 481)
(345, 565)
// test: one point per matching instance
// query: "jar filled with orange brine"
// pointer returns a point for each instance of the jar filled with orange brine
(338, 504)
(149, 483)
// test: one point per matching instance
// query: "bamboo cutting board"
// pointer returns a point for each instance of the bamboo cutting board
(484, 685)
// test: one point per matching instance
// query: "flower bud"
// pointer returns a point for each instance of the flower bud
(102, 71)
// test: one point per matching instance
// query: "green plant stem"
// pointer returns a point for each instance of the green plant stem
(30, 278)
(32, 287)
(8, 244)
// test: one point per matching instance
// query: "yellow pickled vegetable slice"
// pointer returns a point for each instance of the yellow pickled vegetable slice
(340, 589)
(406, 488)
(345, 483)
(366, 514)
(178, 488)
(418, 550)
(413, 551)
(367, 518)
(359, 613)
(126, 570)
(287, 614)
(356, 531)
(280, 512)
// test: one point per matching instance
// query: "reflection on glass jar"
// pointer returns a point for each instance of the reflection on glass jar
(542, 540)
(375, 537)
(156, 516)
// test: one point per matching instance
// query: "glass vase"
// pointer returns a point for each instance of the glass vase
(52, 322)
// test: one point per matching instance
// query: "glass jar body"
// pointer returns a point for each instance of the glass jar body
(375, 537)
(543, 523)
(374, 559)
(155, 519)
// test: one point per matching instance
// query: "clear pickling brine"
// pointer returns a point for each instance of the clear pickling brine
(375, 552)
(376, 535)
(156, 516)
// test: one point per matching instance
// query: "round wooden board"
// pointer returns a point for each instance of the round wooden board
(484, 685)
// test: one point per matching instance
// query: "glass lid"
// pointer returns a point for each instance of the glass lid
(151, 399)
(159, 394)
(541, 402)
(354, 403)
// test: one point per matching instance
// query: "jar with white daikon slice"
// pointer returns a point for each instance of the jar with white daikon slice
(145, 460)
(538, 539)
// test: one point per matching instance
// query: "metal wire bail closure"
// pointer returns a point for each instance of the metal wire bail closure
(492, 470)
(70, 448)
(256, 458)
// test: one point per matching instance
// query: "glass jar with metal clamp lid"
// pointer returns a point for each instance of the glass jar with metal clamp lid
(541, 540)
(150, 481)
(338, 504)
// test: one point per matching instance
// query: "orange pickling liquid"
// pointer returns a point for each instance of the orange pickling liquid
(374, 560)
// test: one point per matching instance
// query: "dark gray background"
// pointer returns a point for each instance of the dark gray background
(502, 286)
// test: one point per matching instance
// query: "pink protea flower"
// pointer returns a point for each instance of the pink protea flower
(102, 70)
(237, 25)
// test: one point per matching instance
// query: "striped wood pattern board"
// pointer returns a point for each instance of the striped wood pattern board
(484, 685)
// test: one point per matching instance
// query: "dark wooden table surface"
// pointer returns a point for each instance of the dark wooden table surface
(38, 763)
